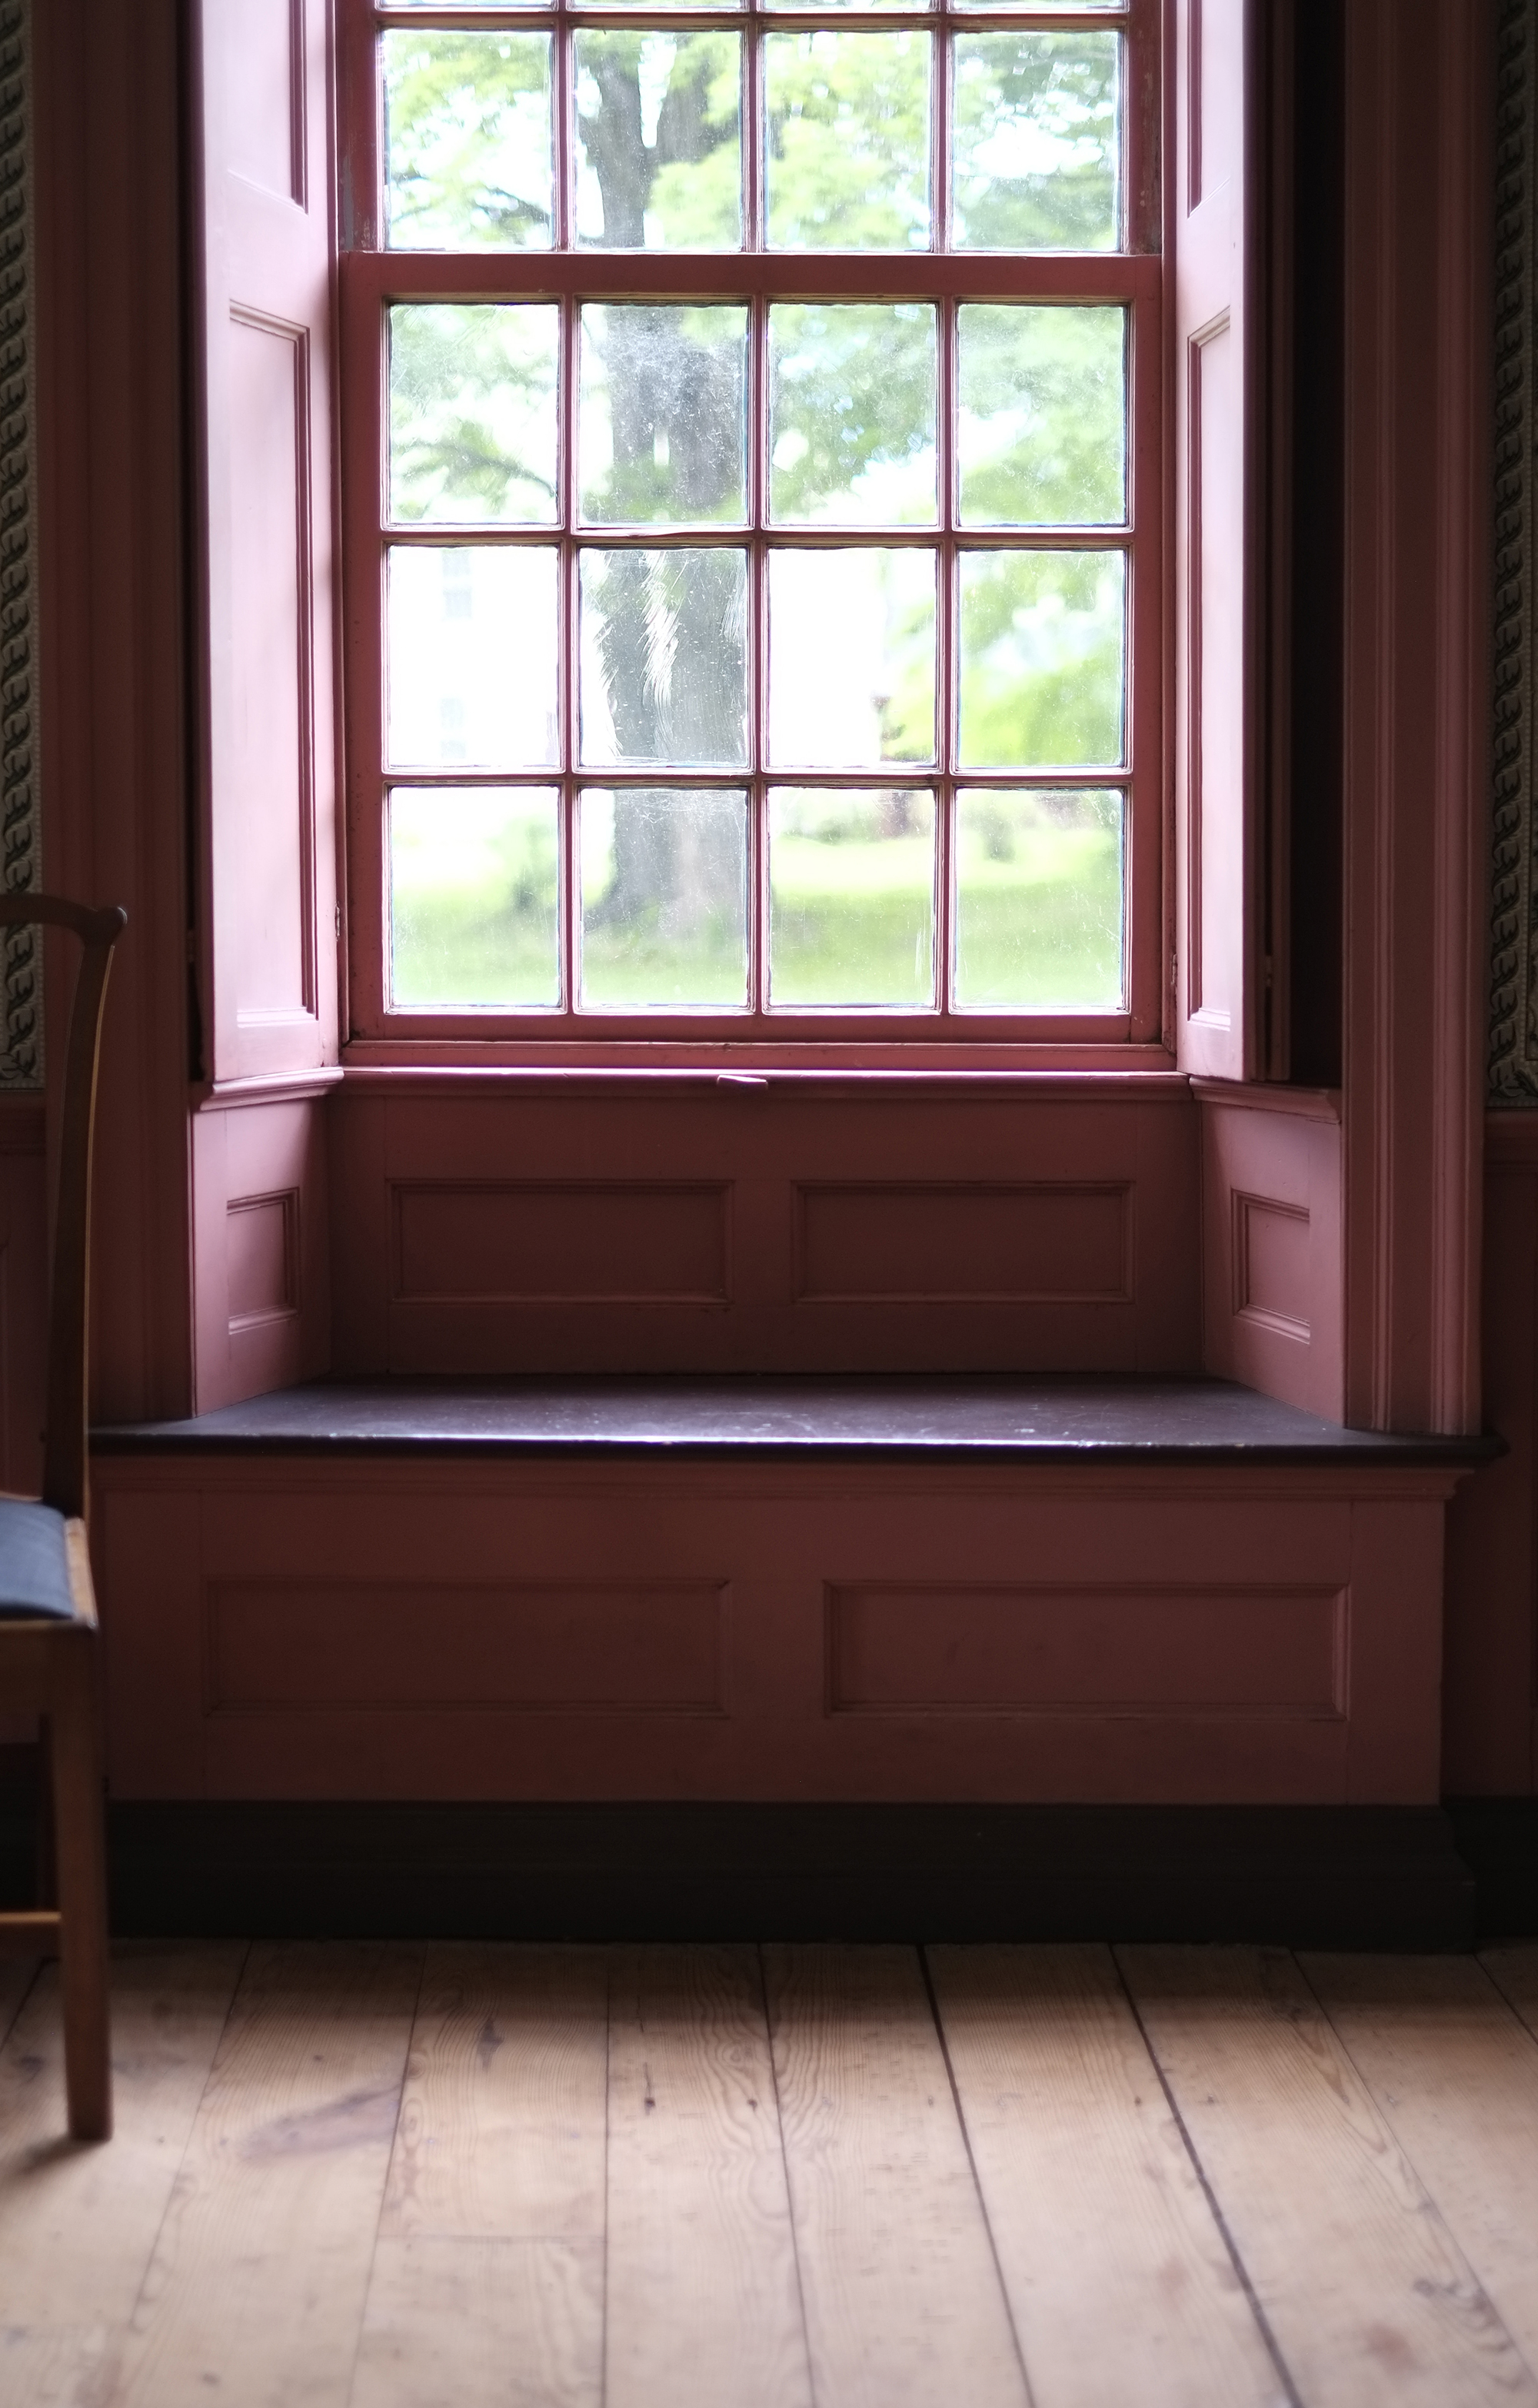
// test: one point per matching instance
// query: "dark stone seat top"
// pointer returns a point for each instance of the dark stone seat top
(993, 1419)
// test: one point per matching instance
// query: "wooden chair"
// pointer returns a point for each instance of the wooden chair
(48, 1640)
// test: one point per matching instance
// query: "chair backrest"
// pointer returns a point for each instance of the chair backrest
(69, 1296)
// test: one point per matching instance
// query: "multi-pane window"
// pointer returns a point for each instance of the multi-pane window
(752, 458)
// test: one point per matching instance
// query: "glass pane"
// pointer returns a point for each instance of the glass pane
(851, 896)
(852, 658)
(472, 412)
(1042, 645)
(664, 900)
(1042, 415)
(848, 117)
(658, 155)
(1039, 901)
(467, 142)
(472, 656)
(473, 886)
(663, 426)
(1037, 143)
(852, 413)
(664, 652)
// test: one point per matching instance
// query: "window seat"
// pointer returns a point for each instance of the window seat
(1023, 1422)
(787, 1591)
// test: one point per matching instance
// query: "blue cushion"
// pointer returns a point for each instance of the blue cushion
(34, 1574)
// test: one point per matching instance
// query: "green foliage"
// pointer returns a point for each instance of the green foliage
(1035, 142)
(467, 141)
(1041, 659)
(852, 390)
(472, 412)
(1042, 415)
(848, 141)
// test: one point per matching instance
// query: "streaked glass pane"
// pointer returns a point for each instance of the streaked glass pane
(473, 411)
(474, 879)
(1042, 640)
(1042, 415)
(852, 658)
(1037, 142)
(664, 898)
(852, 413)
(1038, 911)
(851, 896)
(658, 149)
(664, 653)
(662, 430)
(848, 117)
(467, 141)
(472, 656)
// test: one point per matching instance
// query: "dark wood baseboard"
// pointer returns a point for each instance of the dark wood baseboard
(1328, 1877)
(1498, 1840)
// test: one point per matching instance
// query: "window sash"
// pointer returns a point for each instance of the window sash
(372, 280)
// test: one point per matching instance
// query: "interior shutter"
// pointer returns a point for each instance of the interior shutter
(262, 285)
(1216, 498)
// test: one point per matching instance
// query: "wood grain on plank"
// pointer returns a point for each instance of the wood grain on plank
(78, 2223)
(703, 2306)
(255, 2291)
(453, 2323)
(903, 2301)
(1366, 2291)
(1454, 2072)
(501, 2132)
(1515, 1973)
(17, 1975)
(1120, 2281)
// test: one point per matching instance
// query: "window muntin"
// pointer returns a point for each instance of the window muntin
(922, 717)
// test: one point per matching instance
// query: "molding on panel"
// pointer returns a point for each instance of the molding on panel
(1511, 1062)
(21, 834)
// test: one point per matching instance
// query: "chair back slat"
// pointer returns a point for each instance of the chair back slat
(69, 1301)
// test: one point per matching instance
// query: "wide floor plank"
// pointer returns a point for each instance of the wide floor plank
(487, 2282)
(903, 2303)
(1368, 2297)
(255, 2291)
(1090, 2191)
(703, 2304)
(453, 2323)
(78, 2223)
(1515, 1973)
(17, 1975)
(1455, 2074)
(501, 2132)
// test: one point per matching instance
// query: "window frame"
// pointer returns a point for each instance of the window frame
(372, 278)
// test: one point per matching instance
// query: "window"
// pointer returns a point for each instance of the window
(752, 437)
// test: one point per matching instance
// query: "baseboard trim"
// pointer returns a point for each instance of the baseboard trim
(1314, 1876)
(1498, 1840)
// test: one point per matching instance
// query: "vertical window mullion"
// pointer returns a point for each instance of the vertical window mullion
(945, 655)
(758, 477)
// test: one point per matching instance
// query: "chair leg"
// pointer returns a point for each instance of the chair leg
(80, 1843)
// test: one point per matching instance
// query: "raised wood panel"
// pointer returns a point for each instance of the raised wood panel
(940, 1244)
(285, 1629)
(24, 1296)
(677, 1224)
(268, 796)
(1067, 1650)
(1273, 1273)
(261, 1261)
(629, 1648)
(588, 1243)
(266, 96)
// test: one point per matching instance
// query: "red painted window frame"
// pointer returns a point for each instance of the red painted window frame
(372, 278)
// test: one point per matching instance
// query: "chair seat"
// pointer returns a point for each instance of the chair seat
(33, 1565)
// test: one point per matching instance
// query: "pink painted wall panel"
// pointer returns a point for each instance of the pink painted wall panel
(626, 1648)
(1274, 1306)
(1080, 1650)
(683, 1629)
(264, 93)
(260, 1195)
(672, 1225)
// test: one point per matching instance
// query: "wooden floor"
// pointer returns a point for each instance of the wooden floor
(393, 2177)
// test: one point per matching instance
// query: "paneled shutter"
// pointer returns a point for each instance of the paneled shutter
(263, 287)
(1217, 688)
